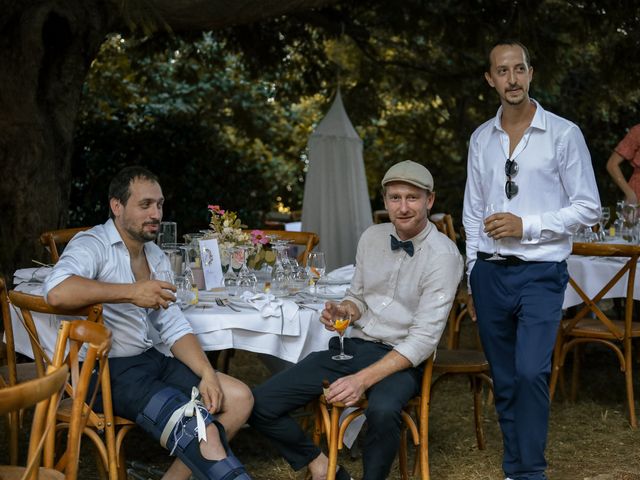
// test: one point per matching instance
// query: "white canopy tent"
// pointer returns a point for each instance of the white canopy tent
(336, 201)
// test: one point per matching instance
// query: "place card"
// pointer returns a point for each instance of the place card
(211, 263)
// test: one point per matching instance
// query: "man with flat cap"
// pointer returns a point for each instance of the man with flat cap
(403, 287)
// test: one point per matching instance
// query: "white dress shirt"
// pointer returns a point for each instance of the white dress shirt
(557, 187)
(100, 254)
(404, 301)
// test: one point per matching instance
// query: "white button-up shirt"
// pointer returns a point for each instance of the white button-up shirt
(404, 301)
(100, 254)
(557, 187)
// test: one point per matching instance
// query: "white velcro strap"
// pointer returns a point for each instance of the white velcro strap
(192, 407)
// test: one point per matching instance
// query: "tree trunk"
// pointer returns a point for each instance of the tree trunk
(46, 49)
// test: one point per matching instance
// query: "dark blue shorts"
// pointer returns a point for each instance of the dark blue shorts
(134, 380)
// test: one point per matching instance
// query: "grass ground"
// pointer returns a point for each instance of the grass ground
(588, 440)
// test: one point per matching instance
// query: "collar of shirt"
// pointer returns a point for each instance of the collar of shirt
(155, 255)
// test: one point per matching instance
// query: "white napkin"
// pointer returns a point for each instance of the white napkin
(38, 274)
(267, 304)
(343, 273)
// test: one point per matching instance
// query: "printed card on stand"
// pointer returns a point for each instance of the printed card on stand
(211, 264)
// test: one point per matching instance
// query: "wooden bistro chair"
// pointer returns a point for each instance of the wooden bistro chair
(14, 398)
(55, 240)
(454, 361)
(14, 373)
(415, 416)
(106, 431)
(591, 325)
(308, 240)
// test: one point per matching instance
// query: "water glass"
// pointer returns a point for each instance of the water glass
(317, 266)
(168, 233)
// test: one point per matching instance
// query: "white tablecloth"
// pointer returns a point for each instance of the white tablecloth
(217, 328)
(593, 273)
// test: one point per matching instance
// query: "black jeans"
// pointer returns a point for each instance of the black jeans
(297, 386)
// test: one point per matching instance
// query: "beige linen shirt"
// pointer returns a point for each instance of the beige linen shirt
(404, 301)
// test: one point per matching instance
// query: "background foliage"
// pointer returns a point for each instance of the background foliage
(224, 117)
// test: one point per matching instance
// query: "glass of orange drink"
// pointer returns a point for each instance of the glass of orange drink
(341, 320)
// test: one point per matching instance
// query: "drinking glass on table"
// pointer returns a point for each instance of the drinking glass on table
(230, 279)
(340, 321)
(489, 210)
(247, 280)
(317, 268)
(185, 295)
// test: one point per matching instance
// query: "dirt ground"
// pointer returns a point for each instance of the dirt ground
(588, 440)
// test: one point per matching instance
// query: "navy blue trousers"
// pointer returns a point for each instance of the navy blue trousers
(298, 385)
(519, 308)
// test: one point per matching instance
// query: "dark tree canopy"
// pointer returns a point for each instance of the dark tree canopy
(224, 116)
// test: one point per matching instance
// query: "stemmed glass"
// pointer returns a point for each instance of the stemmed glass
(317, 267)
(229, 279)
(604, 219)
(340, 321)
(489, 210)
(279, 278)
(246, 278)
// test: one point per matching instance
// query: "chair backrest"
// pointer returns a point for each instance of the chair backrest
(9, 352)
(444, 223)
(44, 392)
(55, 240)
(72, 337)
(380, 216)
(27, 304)
(306, 239)
(629, 252)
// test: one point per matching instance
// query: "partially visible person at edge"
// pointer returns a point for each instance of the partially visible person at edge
(405, 281)
(535, 167)
(112, 264)
(628, 149)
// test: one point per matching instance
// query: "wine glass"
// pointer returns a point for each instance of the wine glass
(247, 280)
(604, 219)
(489, 210)
(184, 291)
(279, 279)
(230, 279)
(317, 267)
(340, 321)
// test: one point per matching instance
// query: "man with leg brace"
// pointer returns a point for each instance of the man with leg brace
(112, 264)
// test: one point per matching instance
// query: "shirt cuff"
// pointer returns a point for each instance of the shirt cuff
(531, 229)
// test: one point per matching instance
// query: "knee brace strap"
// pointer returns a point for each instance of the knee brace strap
(163, 417)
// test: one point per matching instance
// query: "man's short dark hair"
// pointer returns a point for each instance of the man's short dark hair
(509, 42)
(119, 186)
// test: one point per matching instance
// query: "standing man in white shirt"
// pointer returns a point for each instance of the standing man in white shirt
(535, 167)
(112, 264)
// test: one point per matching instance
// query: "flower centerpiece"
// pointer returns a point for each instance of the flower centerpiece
(227, 228)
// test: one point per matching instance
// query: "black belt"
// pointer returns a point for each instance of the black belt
(509, 260)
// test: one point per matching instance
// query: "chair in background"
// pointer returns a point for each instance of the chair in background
(308, 240)
(13, 373)
(415, 418)
(55, 240)
(591, 325)
(472, 364)
(114, 428)
(380, 216)
(38, 391)
(444, 223)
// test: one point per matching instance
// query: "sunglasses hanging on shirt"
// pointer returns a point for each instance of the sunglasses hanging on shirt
(510, 170)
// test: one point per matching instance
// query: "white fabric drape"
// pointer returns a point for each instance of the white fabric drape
(336, 201)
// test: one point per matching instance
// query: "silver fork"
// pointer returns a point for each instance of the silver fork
(225, 303)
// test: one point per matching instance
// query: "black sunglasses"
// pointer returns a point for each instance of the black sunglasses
(510, 170)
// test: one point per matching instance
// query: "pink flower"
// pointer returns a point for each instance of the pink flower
(257, 236)
(216, 209)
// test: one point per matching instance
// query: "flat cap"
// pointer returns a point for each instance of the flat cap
(409, 172)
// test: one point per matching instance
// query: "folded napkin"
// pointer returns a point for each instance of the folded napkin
(38, 274)
(343, 273)
(267, 304)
